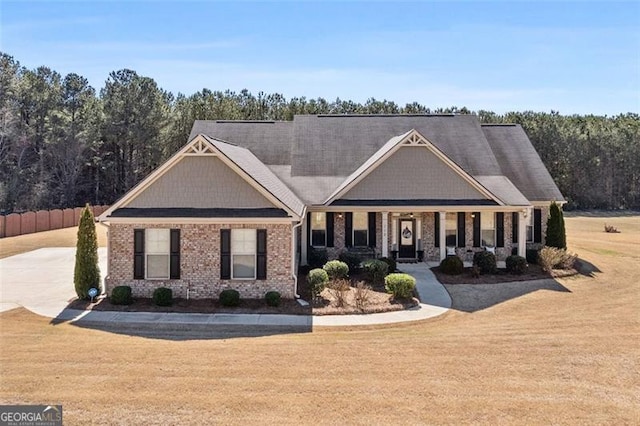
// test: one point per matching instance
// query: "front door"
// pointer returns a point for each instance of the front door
(407, 239)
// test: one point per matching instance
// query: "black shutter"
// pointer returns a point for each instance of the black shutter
(537, 225)
(329, 229)
(499, 229)
(515, 218)
(309, 248)
(462, 237)
(174, 264)
(436, 227)
(138, 254)
(476, 229)
(348, 229)
(225, 254)
(372, 229)
(261, 253)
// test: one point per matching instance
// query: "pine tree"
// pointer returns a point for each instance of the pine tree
(87, 272)
(556, 236)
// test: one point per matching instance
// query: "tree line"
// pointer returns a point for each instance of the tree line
(63, 144)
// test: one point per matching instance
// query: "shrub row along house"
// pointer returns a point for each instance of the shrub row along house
(244, 202)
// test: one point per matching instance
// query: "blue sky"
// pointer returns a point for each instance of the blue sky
(572, 57)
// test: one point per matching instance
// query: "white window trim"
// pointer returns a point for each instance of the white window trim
(482, 229)
(353, 229)
(318, 229)
(147, 254)
(455, 229)
(529, 225)
(254, 254)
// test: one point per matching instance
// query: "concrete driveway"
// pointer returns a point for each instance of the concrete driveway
(41, 280)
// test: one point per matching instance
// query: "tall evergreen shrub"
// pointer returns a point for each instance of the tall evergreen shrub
(87, 272)
(556, 236)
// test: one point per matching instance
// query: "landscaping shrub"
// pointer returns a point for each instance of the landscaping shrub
(391, 262)
(229, 297)
(272, 298)
(336, 269)
(532, 256)
(317, 279)
(351, 259)
(516, 265)
(376, 270)
(317, 257)
(553, 257)
(556, 235)
(86, 273)
(339, 289)
(400, 285)
(121, 295)
(611, 229)
(451, 265)
(361, 294)
(162, 296)
(486, 261)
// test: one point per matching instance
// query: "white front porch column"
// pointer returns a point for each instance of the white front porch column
(385, 234)
(442, 238)
(303, 242)
(522, 234)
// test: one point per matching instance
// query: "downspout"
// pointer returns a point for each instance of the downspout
(293, 254)
(104, 280)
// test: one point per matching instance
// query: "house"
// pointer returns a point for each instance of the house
(243, 202)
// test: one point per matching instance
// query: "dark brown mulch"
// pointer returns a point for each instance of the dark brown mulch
(204, 306)
(534, 272)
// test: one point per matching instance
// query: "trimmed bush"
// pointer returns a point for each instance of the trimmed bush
(272, 298)
(392, 264)
(556, 235)
(516, 265)
(121, 295)
(162, 296)
(486, 261)
(376, 270)
(400, 285)
(317, 257)
(351, 259)
(317, 279)
(532, 256)
(229, 297)
(86, 273)
(451, 265)
(336, 269)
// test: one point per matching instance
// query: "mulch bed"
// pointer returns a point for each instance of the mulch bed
(203, 306)
(534, 272)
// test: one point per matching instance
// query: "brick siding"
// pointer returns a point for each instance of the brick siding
(200, 262)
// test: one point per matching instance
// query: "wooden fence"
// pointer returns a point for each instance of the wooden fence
(42, 220)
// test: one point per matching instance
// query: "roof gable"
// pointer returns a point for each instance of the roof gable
(384, 176)
(208, 173)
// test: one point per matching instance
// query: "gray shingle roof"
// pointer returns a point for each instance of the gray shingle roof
(313, 154)
(270, 141)
(521, 163)
(504, 189)
(248, 162)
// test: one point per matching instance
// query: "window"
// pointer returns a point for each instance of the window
(360, 229)
(157, 249)
(451, 230)
(243, 253)
(488, 229)
(318, 229)
(529, 220)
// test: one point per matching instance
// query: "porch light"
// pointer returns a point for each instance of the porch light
(411, 214)
(340, 215)
(473, 215)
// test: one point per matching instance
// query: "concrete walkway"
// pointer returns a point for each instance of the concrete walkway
(42, 281)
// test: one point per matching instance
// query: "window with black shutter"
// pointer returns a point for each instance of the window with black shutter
(436, 229)
(515, 222)
(348, 229)
(476, 229)
(499, 229)
(138, 254)
(372, 229)
(174, 265)
(461, 230)
(225, 254)
(261, 252)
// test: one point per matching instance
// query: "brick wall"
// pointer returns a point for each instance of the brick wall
(200, 262)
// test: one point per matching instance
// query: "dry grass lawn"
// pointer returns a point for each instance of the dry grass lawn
(65, 237)
(546, 357)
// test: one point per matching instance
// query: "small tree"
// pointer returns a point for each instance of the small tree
(556, 236)
(86, 273)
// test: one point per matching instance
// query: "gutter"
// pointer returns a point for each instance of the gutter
(294, 275)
